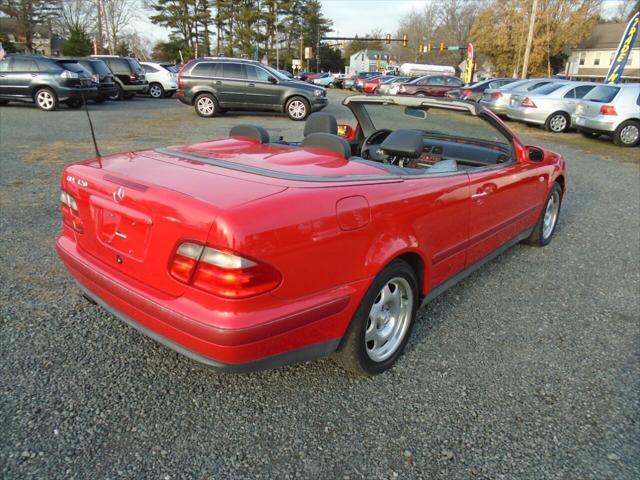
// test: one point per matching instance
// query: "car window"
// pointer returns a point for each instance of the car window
(583, 90)
(602, 94)
(206, 69)
(73, 67)
(535, 85)
(232, 70)
(452, 81)
(99, 67)
(547, 89)
(4, 65)
(637, 99)
(256, 73)
(134, 64)
(149, 69)
(45, 66)
(118, 65)
(24, 65)
(172, 68)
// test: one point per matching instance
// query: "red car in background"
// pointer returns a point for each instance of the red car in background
(371, 84)
(430, 86)
(309, 78)
(362, 77)
(245, 254)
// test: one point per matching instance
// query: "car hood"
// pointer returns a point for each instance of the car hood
(299, 84)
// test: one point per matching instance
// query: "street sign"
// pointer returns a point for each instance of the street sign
(308, 53)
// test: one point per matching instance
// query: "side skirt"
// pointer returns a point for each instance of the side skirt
(443, 287)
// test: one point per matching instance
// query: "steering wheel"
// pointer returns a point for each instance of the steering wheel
(371, 146)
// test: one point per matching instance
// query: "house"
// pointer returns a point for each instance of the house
(367, 61)
(45, 42)
(591, 59)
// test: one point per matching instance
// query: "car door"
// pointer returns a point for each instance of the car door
(261, 92)
(4, 70)
(436, 87)
(22, 71)
(571, 98)
(232, 86)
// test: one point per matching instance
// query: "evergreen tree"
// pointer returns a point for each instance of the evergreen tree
(77, 45)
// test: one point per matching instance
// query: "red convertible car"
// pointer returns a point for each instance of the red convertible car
(246, 254)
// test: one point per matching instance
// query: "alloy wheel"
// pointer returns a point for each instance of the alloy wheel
(550, 215)
(389, 319)
(206, 106)
(558, 123)
(297, 109)
(629, 134)
(45, 100)
(155, 91)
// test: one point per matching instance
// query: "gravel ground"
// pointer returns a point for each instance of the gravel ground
(529, 369)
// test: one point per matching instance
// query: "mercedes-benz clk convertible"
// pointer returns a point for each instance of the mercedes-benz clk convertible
(243, 253)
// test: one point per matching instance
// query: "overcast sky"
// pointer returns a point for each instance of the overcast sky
(350, 17)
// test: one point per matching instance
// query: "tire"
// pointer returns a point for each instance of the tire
(557, 122)
(587, 134)
(206, 105)
(129, 96)
(546, 226)
(119, 95)
(297, 109)
(627, 134)
(156, 90)
(46, 99)
(359, 351)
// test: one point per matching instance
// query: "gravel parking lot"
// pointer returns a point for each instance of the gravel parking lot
(529, 369)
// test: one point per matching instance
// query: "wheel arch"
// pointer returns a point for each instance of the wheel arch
(200, 91)
(289, 96)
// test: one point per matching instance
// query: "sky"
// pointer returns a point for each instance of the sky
(350, 17)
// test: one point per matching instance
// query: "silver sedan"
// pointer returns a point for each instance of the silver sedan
(497, 99)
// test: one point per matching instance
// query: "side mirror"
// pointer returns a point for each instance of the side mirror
(346, 131)
(272, 80)
(535, 154)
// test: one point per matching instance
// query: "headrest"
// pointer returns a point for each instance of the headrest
(444, 166)
(250, 131)
(328, 142)
(321, 122)
(403, 143)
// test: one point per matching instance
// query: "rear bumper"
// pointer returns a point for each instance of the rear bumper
(528, 115)
(106, 91)
(137, 88)
(301, 331)
(497, 108)
(65, 93)
(598, 123)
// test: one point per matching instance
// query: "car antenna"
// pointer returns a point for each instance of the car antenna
(93, 133)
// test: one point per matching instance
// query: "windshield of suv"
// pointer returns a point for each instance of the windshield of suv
(135, 66)
(602, 94)
(275, 73)
(100, 67)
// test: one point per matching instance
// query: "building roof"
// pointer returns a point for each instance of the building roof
(370, 54)
(604, 36)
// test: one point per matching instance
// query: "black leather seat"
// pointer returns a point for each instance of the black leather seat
(328, 141)
(250, 131)
(321, 122)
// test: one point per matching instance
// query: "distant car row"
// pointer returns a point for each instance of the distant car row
(47, 82)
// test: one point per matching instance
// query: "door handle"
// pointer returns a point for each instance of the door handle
(218, 82)
(34, 74)
(480, 194)
(252, 84)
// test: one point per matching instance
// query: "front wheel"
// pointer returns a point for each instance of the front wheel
(156, 90)
(297, 109)
(546, 226)
(46, 99)
(206, 105)
(557, 122)
(383, 322)
(627, 134)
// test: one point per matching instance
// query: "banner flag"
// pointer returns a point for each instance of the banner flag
(624, 50)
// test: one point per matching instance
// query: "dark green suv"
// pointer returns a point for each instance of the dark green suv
(213, 85)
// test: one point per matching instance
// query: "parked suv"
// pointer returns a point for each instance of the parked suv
(430, 86)
(162, 78)
(612, 110)
(128, 75)
(45, 81)
(213, 85)
(100, 74)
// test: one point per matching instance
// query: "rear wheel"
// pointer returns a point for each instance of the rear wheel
(546, 226)
(557, 122)
(383, 322)
(627, 134)
(119, 94)
(297, 108)
(156, 90)
(46, 99)
(206, 105)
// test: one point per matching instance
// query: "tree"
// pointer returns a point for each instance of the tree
(331, 59)
(117, 15)
(28, 15)
(169, 51)
(77, 45)
(78, 15)
(559, 24)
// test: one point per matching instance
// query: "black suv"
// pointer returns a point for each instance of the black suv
(101, 76)
(128, 75)
(214, 85)
(45, 81)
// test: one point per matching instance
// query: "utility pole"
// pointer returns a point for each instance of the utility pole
(527, 51)
(277, 41)
(100, 41)
(318, 52)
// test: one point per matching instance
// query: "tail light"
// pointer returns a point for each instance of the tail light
(133, 77)
(402, 88)
(608, 110)
(70, 214)
(528, 103)
(95, 78)
(496, 95)
(466, 92)
(222, 273)
(180, 82)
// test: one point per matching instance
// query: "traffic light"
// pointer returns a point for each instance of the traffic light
(421, 48)
(429, 47)
(442, 46)
(388, 40)
(405, 40)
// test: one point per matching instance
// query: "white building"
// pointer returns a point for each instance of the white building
(592, 58)
(367, 61)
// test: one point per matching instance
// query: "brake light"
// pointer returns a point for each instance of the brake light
(221, 272)
(133, 77)
(70, 214)
(496, 95)
(528, 103)
(180, 82)
(608, 110)
(466, 92)
(95, 78)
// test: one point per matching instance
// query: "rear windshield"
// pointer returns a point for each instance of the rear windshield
(514, 85)
(535, 85)
(602, 94)
(135, 65)
(100, 67)
(547, 89)
(72, 66)
(171, 68)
